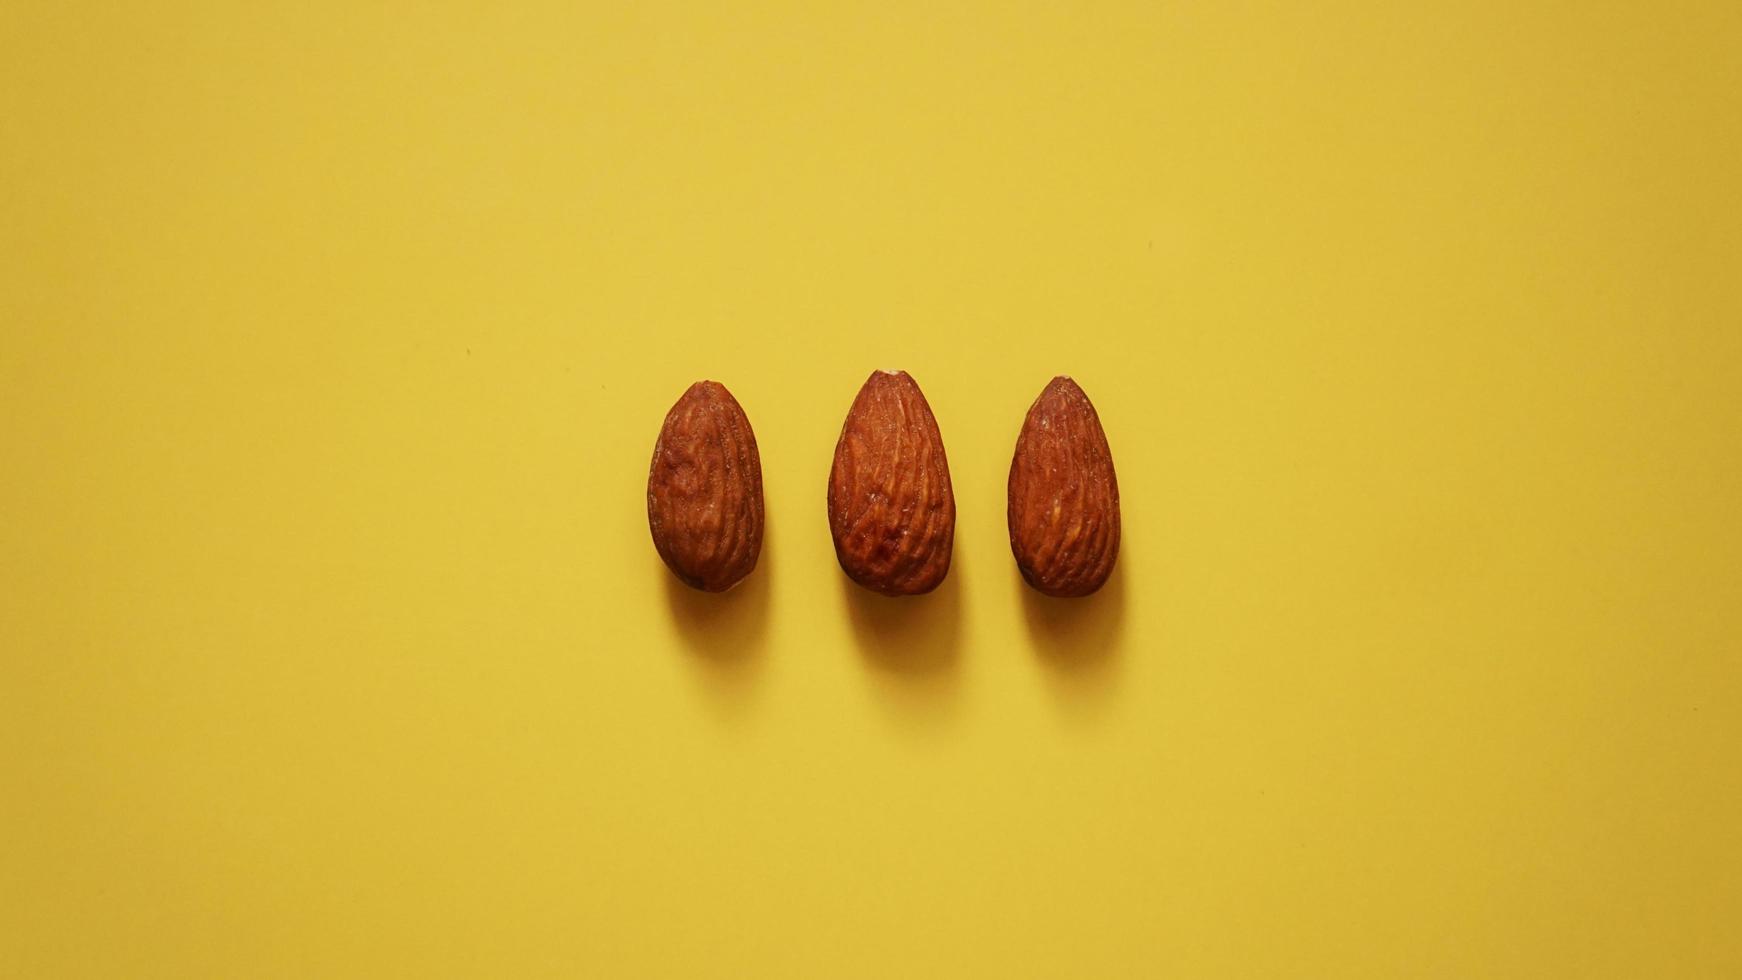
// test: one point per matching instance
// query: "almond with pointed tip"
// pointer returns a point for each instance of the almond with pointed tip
(704, 490)
(891, 509)
(1064, 497)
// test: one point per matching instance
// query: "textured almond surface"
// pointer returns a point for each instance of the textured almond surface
(704, 490)
(1064, 497)
(891, 508)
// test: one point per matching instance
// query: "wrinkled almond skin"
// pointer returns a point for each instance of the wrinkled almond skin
(1064, 497)
(704, 490)
(891, 508)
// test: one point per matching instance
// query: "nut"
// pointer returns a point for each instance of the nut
(1064, 497)
(891, 509)
(704, 490)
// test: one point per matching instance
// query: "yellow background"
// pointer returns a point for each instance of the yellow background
(335, 341)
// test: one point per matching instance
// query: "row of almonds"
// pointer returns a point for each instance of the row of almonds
(891, 509)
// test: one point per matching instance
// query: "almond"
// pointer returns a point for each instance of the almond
(1064, 498)
(704, 490)
(891, 509)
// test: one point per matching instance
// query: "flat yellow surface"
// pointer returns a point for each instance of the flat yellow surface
(334, 339)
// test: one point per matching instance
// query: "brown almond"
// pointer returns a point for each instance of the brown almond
(891, 509)
(1064, 497)
(704, 490)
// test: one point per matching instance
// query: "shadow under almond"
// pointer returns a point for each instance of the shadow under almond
(1078, 642)
(911, 646)
(724, 634)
